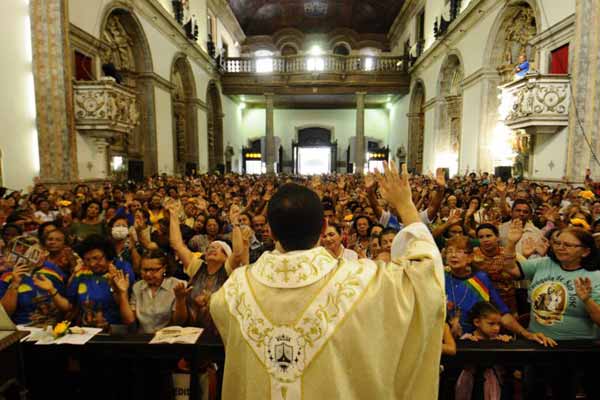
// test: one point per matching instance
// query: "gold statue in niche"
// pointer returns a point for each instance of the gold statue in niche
(521, 146)
(518, 29)
(121, 45)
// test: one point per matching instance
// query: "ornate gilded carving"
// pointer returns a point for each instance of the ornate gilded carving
(519, 29)
(120, 44)
(538, 101)
(105, 106)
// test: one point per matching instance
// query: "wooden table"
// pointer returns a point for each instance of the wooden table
(11, 362)
(576, 354)
(126, 347)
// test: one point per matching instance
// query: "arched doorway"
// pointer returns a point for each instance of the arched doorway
(126, 48)
(214, 130)
(509, 38)
(185, 119)
(449, 120)
(416, 128)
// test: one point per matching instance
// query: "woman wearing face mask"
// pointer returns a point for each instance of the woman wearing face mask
(125, 250)
(332, 241)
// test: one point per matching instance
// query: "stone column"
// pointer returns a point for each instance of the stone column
(359, 156)
(53, 90)
(585, 70)
(101, 158)
(270, 136)
(415, 142)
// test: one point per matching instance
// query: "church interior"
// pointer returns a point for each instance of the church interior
(157, 133)
(245, 86)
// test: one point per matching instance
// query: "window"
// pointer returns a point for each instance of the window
(559, 60)
(314, 160)
(316, 62)
(341, 50)
(264, 61)
(420, 33)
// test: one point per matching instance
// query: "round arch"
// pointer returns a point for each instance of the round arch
(416, 127)
(185, 116)
(126, 46)
(214, 120)
(449, 113)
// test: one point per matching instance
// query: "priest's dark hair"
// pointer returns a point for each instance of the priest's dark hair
(295, 215)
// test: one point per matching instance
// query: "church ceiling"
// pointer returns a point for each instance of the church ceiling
(265, 17)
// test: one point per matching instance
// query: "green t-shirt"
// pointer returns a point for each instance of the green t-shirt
(556, 311)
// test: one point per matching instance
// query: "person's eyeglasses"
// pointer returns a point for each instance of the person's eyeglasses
(558, 243)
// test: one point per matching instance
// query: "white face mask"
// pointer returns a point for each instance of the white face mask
(120, 232)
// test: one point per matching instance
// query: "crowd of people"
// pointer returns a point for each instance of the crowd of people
(521, 258)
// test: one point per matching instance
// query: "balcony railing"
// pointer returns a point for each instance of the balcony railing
(104, 108)
(307, 63)
(537, 103)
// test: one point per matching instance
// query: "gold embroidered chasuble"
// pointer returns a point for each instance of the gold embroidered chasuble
(303, 325)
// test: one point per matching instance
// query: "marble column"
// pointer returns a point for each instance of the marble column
(585, 73)
(52, 73)
(359, 156)
(270, 136)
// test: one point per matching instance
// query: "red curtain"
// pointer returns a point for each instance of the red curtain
(559, 63)
(83, 67)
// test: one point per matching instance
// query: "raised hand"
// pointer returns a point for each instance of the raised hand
(181, 290)
(542, 247)
(501, 187)
(440, 177)
(18, 273)
(583, 288)
(234, 214)
(395, 188)
(43, 282)
(370, 182)
(528, 247)
(515, 232)
(174, 207)
(121, 282)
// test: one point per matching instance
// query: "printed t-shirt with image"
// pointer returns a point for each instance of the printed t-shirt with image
(556, 310)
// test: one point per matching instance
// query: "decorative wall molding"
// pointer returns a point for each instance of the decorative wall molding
(479, 75)
(222, 10)
(467, 19)
(104, 108)
(157, 80)
(406, 14)
(540, 103)
(301, 41)
(162, 20)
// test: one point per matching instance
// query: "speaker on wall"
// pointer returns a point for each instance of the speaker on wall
(503, 172)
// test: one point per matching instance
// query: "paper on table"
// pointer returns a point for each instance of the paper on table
(42, 336)
(177, 334)
(33, 332)
(82, 338)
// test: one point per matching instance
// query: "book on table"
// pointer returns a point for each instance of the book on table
(177, 334)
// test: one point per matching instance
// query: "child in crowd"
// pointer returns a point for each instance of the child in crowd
(485, 317)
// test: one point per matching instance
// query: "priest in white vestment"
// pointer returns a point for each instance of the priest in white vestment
(300, 324)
